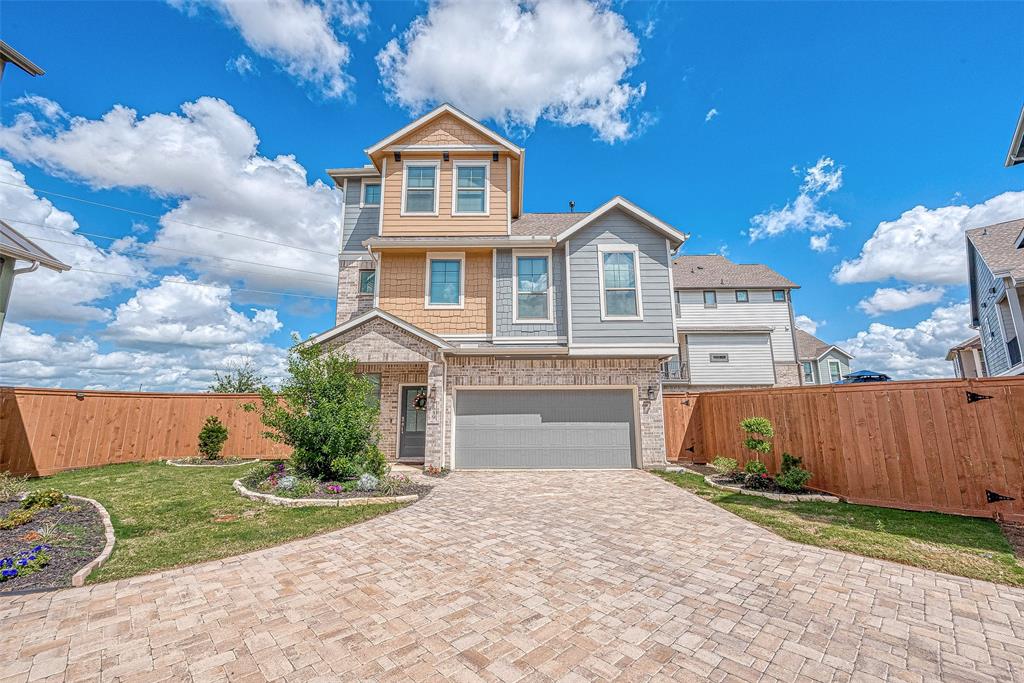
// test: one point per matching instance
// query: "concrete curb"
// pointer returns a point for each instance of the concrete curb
(233, 464)
(82, 574)
(321, 502)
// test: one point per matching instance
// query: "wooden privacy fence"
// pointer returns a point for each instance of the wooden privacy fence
(43, 431)
(943, 445)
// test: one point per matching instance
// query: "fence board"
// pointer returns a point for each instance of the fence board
(43, 431)
(915, 445)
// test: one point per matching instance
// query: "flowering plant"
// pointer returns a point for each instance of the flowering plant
(24, 563)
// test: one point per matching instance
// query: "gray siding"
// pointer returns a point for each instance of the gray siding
(657, 326)
(359, 224)
(505, 290)
(991, 334)
(750, 359)
(821, 370)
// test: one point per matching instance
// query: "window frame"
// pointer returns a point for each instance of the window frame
(359, 284)
(417, 163)
(378, 383)
(724, 357)
(746, 296)
(839, 370)
(486, 164)
(634, 250)
(459, 256)
(704, 298)
(807, 368)
(531, 253)
(362, 193)
(777, 300)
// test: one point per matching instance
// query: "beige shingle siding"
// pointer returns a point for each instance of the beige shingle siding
(444, 130)
(403, 292)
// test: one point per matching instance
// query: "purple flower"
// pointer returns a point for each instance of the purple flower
(9, 573)
(22, 562)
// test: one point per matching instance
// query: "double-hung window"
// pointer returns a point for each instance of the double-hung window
(367, 281)
(710, 298)
(371, 194)
(808, 372)
(620, 282)
(419, 195)
(445, 280)
(470, 191)
(835, 371)
(533, 287)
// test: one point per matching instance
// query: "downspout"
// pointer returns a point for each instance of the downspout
(27, 269)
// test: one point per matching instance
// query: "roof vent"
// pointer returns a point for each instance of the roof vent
(572, 206)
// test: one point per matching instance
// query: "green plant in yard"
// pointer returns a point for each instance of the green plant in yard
(758, 430)
(212, 437)
(10, 486)
(725, 466)
(42, 498)
(238, 379)
(15, 518)
(325, 413)
(755, 467)
(792, 477)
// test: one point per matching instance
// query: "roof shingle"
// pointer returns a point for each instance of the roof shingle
(809, 347)
(713, 270)
(997, 245)
(549, 224)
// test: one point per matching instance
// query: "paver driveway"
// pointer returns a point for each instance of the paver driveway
(534, 575)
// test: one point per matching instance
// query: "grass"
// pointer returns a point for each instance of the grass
(964, 546)
(167, 516)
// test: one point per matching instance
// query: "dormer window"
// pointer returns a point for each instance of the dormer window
(470, 192)
(371, 194)
(419, 188)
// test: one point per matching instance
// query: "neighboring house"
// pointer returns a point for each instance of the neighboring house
(496, 338)
(1016, 154)
(14, 247)
(968, 358)
(9, 55)
(995, 274)
(820, 362)
(735, 326)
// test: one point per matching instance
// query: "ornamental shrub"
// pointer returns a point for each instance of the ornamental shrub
(759, 481)
(724, 466)
(759, 430)
(793, 476)
(15, 518)
(367, 482)
(10, 486)
(325, 412)
(755, 467)
(43, 498)
(212, 437)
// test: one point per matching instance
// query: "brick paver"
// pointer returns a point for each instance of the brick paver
(528, 576)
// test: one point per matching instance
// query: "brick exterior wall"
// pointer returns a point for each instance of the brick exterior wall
(392, 376)
(350, 302)
(402, 293)
(787, 375)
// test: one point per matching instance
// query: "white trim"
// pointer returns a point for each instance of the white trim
(362, 194)
(633, 249)
(629, 207)
(459, 242)
(671, 287)
(510, 350)
(486, 164)
(834, 348)
(494, 292)
(568, 295)
(353, 256)
(529, 340)
(368, 171)
(370, 315)
(383, 179)
(376, 280)
(652, 350)
(479, 336)
(445, 256)
(828, 364)
(443, 109)
(344, 203)
(508, 193)
(531, 253)
(443, 148)
(406, 164)
(401, 412)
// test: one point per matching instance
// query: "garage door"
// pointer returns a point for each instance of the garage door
(535, 429)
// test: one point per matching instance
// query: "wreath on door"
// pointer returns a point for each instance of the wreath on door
(420, 401)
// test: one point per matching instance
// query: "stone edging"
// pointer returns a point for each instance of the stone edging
(786, 497)
(321, 502)
(108, 529)
(232, 464)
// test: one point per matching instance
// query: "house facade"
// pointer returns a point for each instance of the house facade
(734, 326)
(968, 358)
(995, 263)
(820, 362)
(496, 338)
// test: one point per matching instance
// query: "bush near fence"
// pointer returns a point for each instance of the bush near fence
(942, 445)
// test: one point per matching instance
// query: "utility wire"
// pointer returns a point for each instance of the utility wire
(165, 218)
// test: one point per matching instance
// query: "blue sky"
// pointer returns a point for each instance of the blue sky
(708, 115)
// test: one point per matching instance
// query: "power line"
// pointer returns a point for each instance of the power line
(165, 218)
(148, 245)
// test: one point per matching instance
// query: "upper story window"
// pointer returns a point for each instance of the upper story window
(835, 371)
(710, 298)
(778, 295)
(371, 194)
(445, 280)
(367, 281)
(742, 296)
(532, 275)
(808, 372)
(470, 192)
(618, 268)
(419, 191)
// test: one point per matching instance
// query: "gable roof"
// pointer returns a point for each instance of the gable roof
(628, 207)
(809, 347)
(700, 271)
(545, 224)
(1016, 154)
(16, 245)
(9, 54)
(372, 314)
(997, 246)
(439, 111)
(972, 343)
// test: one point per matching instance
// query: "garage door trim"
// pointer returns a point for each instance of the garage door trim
(632, 388)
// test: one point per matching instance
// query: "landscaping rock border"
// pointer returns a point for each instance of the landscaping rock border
(320, 502)
(79, 577)
(230, 464)
(785, 497)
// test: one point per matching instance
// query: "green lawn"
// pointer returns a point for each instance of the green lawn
(165, 516)
(966, 546)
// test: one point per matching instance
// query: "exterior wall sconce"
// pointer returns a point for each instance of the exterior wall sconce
(652, 392)
(494, 157)
(398, 156)
(444, 155)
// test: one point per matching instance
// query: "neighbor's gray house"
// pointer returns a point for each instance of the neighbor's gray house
(1016, 154)
(968, 358)
(16, 247)
(995, 263)
(734, 325)
(821, 362)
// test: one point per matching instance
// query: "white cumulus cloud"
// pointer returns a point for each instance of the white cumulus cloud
(926, 246)
(890, 299)
(566, 61)
(805, 213)
(808, 324)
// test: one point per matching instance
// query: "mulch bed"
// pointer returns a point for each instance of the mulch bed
(79, 538)
(709, 471)
(205, 462)
(1014, 533)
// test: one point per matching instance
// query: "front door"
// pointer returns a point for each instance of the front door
(412, 423)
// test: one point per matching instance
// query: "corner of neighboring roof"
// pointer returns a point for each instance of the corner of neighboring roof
(25, 249)
(372, 314)
(833, 347)
(1016, 154)
(437, 111)
(620, 202)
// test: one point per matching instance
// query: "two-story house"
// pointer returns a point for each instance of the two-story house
(497, 338)
(820, 362)
(995, 267)
(734, 324)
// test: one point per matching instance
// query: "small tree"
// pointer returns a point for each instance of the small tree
(212, 437)
(759, 430)
(238, 379)
(325, 413)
